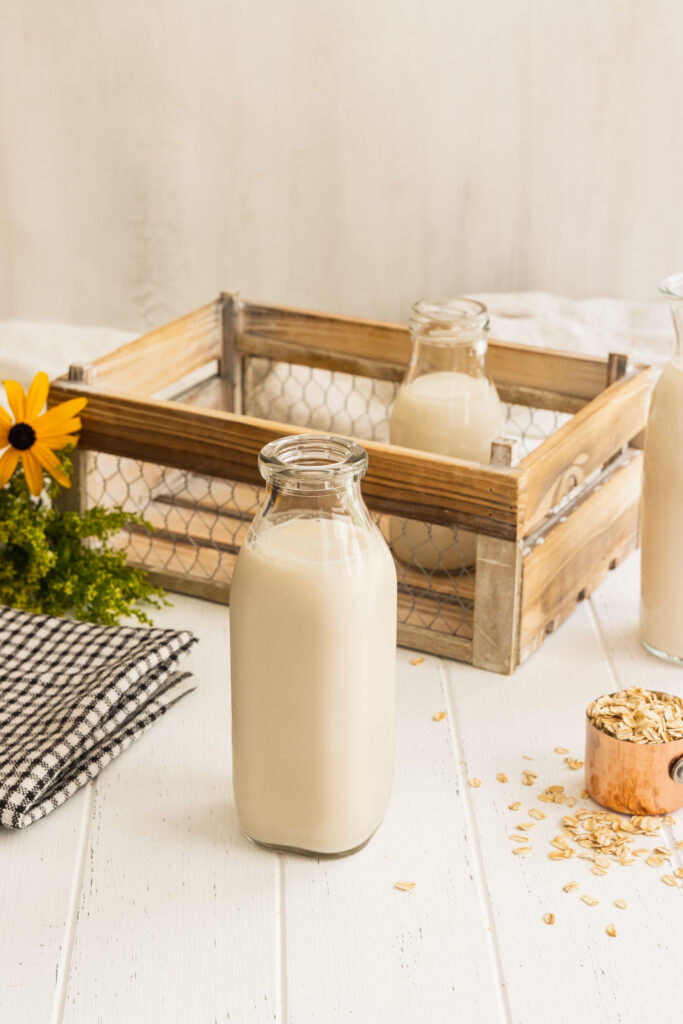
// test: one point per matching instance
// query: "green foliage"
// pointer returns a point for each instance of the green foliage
(58, 563)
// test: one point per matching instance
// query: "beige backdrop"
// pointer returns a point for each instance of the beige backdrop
(347, 155)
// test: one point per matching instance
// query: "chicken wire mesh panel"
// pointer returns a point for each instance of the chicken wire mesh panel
(199, 522)
(346, 403)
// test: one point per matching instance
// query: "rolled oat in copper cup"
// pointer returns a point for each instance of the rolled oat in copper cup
(633, 778)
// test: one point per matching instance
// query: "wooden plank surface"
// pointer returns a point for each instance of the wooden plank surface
(152, 905)
(572, 970)
(358, 949)
(398, 480)
(40, 880)
(177, 919)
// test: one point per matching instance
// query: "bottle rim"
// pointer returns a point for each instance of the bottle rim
(312, 458)
(447, 321)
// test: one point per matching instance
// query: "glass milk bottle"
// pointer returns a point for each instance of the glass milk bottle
(661, 617)
(313, 650)
(445, 405)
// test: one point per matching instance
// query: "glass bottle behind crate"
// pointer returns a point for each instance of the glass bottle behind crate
(446, 405)
(313, 651)
(661, 616)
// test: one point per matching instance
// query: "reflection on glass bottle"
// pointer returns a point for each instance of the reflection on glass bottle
(661, 618)
(313, 650)
(445, 405)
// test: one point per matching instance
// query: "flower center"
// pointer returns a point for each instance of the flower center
(21, 436)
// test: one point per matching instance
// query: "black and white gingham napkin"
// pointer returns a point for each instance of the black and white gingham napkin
(73, 695)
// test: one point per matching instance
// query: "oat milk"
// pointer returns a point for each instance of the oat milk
(449, 413)
(313, 634)
(661, 621)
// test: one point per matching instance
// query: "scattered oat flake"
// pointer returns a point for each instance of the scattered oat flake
(535, 813)
(597, 870)
(561, 750)
(679, 844)
(570, 887)
(439, 716)
(525, 826)
(654, 861)
(515, 806)
(611, 931)
(549, 918)
(475, 783)
(404, 886)
(585, 795)
(527, 758)
(590, 901)
(642, 851)
(417, 661)
(501, 777)
(571, 801)
(668, 879)
(622, 904)
(522, 849)
(678, 872)
(573, 763)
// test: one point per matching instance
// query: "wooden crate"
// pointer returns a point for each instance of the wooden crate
(549, 526)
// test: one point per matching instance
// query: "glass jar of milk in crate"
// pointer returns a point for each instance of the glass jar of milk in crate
(446, 405)
(313, 650)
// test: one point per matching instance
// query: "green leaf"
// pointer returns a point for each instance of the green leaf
(62, 563)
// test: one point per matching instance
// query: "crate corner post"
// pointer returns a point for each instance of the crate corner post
(497, 593)
(231, 362)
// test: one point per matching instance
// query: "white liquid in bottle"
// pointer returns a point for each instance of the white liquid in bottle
(661, 622)
(453, 414)
(313, 634)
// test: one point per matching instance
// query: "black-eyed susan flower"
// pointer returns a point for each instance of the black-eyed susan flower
(34, 438)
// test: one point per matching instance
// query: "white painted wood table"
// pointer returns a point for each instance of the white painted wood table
(141, 901)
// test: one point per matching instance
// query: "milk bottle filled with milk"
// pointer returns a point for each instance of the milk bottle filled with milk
(313, 648)
(445, 405)
(661, 617)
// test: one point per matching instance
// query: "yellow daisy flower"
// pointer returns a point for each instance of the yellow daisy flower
(34, 438)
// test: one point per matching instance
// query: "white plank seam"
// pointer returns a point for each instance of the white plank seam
(62, 979)
(477, 860)
(281, 940)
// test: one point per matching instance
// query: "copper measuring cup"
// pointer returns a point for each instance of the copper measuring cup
(633, 778)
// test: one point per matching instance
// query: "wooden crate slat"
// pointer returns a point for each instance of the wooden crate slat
(158, 359)
(399, 480)
(569, 455)
(373, 348)
(573, 553)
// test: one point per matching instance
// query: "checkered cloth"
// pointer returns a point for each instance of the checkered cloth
(72, 696)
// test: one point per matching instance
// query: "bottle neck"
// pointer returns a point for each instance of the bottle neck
(313, 475)
(456, 357)
(448, 335)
